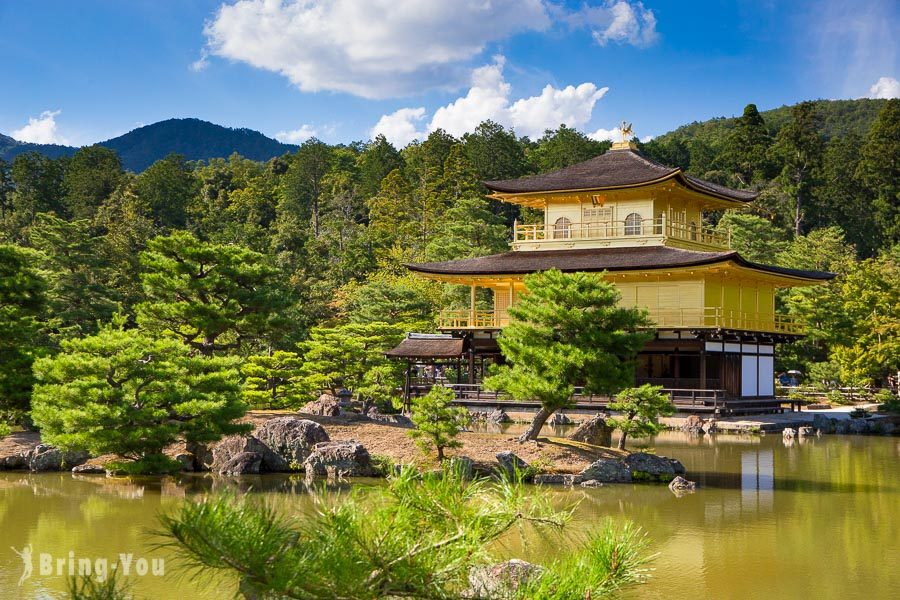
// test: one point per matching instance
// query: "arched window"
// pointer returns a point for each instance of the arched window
(633, 224)
(562, 229)
(693, 231)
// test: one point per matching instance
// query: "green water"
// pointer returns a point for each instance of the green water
(820, 518)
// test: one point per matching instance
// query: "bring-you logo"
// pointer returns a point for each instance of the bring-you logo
(99, 568)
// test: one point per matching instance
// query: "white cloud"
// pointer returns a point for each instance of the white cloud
(885, 87)
(373, 49)
(607, 135)
(617, 21)
(570, 105)
(400, 127)
(41, 130)
(296, 136)
(489, 98)
(201, 63)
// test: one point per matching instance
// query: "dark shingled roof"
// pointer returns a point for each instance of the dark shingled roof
(597, 259)
(427, 347)
(615, 169)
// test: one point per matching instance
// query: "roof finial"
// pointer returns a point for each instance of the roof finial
(627, 134)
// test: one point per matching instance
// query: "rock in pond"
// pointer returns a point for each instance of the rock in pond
(594, 431)
(243, 463)
(607, 470)
(710, 426)
(501, 580)
(88, 469)
(806, 431)
(680, 485)
(823, 423)
(556, 479)
(44, 457)
(510, 464)
(290, 441)
(650, 467)
(591, 483)
(858, 426)
(693, 425)
(347, 458)
(233, 445)
(497, 416)
(788, 433)
(559, 418)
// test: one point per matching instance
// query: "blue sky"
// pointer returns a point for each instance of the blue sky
(82, 72)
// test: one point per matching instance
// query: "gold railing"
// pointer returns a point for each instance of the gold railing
(543, 232)
(664, 318)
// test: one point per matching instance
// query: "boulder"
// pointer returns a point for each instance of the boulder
(710, 426)
(13, 461)
(806, 431)
(594, 431)
(394, 419)
(232, 445)
(289, 441)
(88, 469)
(858, 426)
(243, 463)
(607, 470)
(591, 483)
(693, 425)
(678, 467)
(348, 458)
(44, 457)
(501, 580)
(823, 423)
(883, 427)
(187, 461)
(842, 426)
(789, 433)
(325, 406)
(497, 416)
(559, 418)
(680, 485)
(556, 479)
(463, 464)
(651, 467)
(202, 453)
(510, 464)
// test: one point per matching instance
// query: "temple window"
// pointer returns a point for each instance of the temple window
(562, 229)
(633, 224)
(693, 231)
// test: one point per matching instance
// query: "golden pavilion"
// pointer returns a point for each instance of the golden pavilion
(641, 224)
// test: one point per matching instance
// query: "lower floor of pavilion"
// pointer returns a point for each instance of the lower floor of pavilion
(703, 370)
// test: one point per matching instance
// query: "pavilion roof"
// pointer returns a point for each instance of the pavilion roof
(619, 168)
(599, 259)
(427, 346)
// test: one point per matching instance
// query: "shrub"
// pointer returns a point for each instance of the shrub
(640, 410)
(888, 400)
(437, 421)
(836, 397)
(5, 430)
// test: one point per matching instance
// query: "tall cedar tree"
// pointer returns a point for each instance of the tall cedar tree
(91, 176)
(880, 169)
(800, 147)
(22, 304)
(746, 148)
(123, 392)
(166, 189)
(213, 297)
(567, 330)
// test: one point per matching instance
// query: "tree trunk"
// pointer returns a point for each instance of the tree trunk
(536, 424)
(622, 441)
(440, 452)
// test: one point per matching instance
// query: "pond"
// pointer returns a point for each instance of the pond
(821, 516)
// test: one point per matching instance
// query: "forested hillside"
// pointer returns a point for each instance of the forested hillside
(192, 138)
(294, 266)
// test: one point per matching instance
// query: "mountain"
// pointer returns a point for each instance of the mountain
(195, 139)
(839, 117)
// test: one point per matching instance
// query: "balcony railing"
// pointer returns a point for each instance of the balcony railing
(622, 230)
(665, 318)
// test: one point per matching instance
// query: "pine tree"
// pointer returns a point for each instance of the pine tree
(639, 409)
(746, 147)
(274, 380)
(437, 421)
(879, 169)
(800, 146)
(567, 330)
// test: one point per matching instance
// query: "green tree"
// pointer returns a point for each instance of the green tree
(166, 188)
(78, 273)
(213, 297)
(274, 380)
(304, 177)
(746, 148)
(437, 421)
(640, 409)
(405, 300)
(377, 160)
(419, 539)
(568, 329)
(467, 229)
(879, 169)
(754, 237)
(563, 147)
(39, 187)
(122, 392)
(90, 177)
(22, 304)
(352, 356)
(799, 146)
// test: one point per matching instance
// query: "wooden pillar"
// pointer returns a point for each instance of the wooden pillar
(406, 385)
(703, 365)
(458, 369)
(472, 305)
